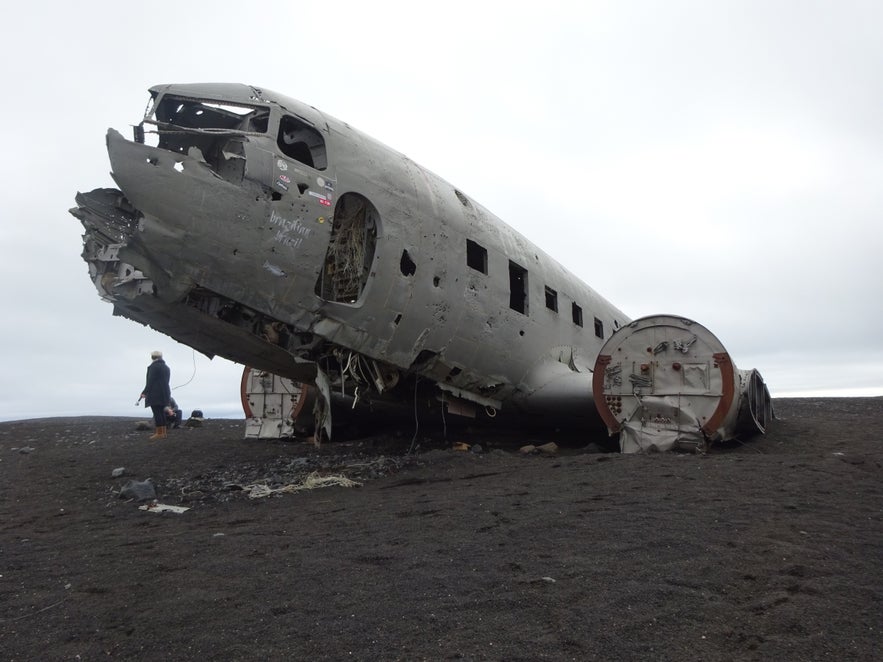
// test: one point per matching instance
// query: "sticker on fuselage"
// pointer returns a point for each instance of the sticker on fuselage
(323, 200)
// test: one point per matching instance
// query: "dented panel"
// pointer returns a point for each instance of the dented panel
(252, 226)
(665, 382)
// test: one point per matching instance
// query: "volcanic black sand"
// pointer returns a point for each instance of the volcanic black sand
(769, 549)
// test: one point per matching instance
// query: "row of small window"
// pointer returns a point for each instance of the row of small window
(476, 258)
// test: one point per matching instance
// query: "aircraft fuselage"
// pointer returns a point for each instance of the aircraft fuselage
(257, 228)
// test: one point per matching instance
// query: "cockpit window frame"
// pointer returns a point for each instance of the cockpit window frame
(217, 108)
(300, 141)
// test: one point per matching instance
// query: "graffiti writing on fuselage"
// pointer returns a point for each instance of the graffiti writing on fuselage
(291, 232)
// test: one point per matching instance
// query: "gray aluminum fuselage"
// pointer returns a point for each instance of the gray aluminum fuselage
(259, 229)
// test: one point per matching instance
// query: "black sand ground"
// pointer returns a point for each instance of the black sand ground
(772, 549)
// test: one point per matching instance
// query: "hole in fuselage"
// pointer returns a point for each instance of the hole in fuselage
(407, 265)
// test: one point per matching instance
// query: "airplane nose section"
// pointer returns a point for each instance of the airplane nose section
(172, 186)
(223, 228)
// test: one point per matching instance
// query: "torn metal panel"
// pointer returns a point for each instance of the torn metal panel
(322, 405)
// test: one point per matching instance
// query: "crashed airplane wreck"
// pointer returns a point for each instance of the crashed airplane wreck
(252, 226)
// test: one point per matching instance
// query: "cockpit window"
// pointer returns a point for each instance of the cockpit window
(301, 142)
(195, 114)
(232, 138)
(212, 127)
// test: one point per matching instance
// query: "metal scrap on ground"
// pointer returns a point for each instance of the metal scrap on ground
(311, 482)
(163, 508)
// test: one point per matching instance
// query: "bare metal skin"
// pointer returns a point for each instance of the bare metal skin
(254, 227)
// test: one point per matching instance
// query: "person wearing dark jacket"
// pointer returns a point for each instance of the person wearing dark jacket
(173, 414)
(157, 393)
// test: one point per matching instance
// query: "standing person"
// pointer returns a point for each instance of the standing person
(157, 393)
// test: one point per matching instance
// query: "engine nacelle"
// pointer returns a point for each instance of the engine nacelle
(664, 382)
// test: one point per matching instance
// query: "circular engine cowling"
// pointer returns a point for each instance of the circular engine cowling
(664, 382)
(275, 406)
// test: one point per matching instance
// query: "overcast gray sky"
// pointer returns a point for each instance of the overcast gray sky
(720, 160)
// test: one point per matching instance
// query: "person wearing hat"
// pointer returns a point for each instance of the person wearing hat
(157, 393)
(173, 414)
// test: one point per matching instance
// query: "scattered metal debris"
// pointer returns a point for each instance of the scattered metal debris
(163, 508)
(311, 482)
(229, 483)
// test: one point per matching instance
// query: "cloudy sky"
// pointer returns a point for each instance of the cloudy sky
(717, 160)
